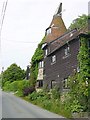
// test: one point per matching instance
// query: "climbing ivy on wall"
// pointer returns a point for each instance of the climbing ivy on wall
(79, 82)
(37, 57)
(84, 75)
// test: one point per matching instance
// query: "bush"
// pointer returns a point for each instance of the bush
(28, 90)
(55, 93)
(16, 86)
(6, 86)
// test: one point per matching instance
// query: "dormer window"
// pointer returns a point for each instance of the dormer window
(48, 31)
(44, 45)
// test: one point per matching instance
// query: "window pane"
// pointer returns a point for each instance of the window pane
(67, 50)
(65, 83)
(48, 31)
(42, 64)
(53, 58)
(46, 52)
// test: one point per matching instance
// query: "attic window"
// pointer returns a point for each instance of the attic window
(48, 31)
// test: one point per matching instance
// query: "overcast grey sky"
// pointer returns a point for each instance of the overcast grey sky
(25, 23)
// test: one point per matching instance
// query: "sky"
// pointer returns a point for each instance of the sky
(24, 26)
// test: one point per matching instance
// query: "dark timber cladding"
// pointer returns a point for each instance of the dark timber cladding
(65, 63)
(61, 48)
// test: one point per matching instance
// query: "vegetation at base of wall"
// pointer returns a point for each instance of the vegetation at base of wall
(48, 100)
(37, 57)
(79, 82)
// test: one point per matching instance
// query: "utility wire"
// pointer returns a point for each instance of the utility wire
(3, 15)
(1, 21)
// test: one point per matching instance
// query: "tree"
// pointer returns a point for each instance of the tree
(80, 22)
(13, 73)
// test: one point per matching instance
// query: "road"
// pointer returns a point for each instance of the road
(15, 107)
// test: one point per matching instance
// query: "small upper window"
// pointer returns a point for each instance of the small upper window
(67, 51)
(46, 52)
(48, 31)
(53, 58)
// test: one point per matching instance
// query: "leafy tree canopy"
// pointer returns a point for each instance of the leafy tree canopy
(13, 73)
(79, 22)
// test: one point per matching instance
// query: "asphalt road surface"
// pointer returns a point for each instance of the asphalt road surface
(15, 107)
(0, 104)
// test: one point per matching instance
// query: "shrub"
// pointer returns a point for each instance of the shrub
(29, 90)
(55, 93)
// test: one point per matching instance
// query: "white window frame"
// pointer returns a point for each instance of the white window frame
(65, 83)
(48, 31)
(46, 52)
(67, 50)
(41, 64)
(53, 59)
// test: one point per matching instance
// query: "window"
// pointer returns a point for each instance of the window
(53, 59)
(39, 83)
(48, 31)
(65, 83)
(46, 52)
(41, 64)
(67, 51)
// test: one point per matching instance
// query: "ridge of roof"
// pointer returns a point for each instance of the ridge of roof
(66, 33)
(67, 37)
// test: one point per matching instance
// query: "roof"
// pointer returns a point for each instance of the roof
(64, 39)
(57, 26)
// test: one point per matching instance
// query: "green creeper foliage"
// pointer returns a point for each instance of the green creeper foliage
(84, 75)
(37, 57)
(79, 82)
(80, 22)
